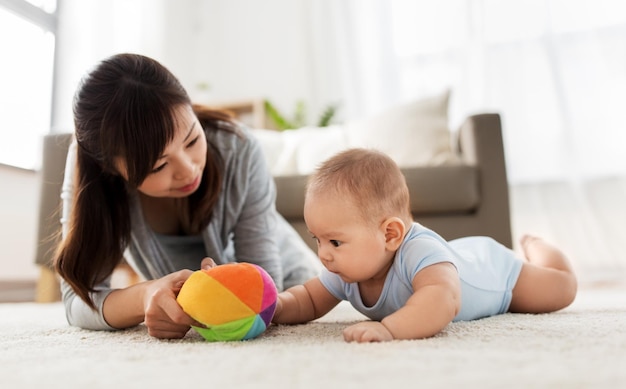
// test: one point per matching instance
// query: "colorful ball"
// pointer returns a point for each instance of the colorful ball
(235, 301)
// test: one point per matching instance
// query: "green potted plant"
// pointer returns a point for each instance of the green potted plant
(281, 122)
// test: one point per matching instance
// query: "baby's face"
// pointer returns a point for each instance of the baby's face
(346, 244)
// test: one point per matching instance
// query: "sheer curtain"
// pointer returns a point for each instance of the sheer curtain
(91, 30)
(554, 69)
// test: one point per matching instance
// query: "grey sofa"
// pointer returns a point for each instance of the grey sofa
(460, 200)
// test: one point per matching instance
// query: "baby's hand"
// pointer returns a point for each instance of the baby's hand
(367, 331)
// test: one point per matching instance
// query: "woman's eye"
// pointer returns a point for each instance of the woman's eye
(335, 243)
(193, 142)
(158, 168)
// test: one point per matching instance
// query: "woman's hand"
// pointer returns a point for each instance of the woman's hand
(164, 318)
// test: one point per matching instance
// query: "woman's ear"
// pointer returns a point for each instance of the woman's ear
(394, 229)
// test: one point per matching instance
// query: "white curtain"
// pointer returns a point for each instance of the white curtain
(554, 69)
(91, 30)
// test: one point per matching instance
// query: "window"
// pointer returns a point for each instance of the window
(554, 69)
(26, 73)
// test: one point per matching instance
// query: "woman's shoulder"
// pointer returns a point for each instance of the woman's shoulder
(229, 137)
(238, 149)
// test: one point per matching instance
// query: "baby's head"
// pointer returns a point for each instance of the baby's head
(357, 209)
(368, 181)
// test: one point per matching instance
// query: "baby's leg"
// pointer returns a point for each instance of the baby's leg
(547, 282)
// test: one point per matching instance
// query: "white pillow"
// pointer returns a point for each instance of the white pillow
(293, 152)
(316, 144)
(280, 157)
(413, 134)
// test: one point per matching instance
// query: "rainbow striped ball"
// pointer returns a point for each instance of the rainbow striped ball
(235, 301)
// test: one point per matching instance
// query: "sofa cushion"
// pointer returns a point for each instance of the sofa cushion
(413, 134)
(292, 152)
(433, 189)
(280, 155)
(290, 195)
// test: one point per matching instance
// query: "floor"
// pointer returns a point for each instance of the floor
(588, 222)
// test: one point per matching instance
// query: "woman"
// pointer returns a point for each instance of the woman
(162, 183)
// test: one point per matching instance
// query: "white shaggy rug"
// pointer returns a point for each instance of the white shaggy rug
(583, 346)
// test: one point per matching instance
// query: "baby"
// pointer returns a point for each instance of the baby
(405, 277)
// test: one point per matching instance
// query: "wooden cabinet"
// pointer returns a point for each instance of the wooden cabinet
(250, 111)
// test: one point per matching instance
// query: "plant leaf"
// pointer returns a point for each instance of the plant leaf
(279, 120)
(299, 116)
(327, 115)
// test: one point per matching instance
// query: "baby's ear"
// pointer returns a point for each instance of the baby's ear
(394, 232)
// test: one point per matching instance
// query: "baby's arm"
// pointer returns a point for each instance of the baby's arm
(302, 303)
(436, 300)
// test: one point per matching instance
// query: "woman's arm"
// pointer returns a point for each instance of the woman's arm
(152, 302)
(77, 312)
(303, 303)
(436, 300)
(249, 201)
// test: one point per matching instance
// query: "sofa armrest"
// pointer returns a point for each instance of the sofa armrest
(55, 148)
(481, 144)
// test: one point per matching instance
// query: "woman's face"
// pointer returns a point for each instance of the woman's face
(178, 171)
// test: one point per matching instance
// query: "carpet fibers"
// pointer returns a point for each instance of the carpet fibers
(583, 346)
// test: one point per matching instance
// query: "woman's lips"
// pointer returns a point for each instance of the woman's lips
(190, 187)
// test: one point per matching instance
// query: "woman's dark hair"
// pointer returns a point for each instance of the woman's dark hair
(125, 108)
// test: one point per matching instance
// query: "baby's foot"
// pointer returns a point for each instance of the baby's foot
(527, 240)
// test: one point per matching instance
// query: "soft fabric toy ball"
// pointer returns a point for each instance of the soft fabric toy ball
(235, 301)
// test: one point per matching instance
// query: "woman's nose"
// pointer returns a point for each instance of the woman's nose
(184, 168)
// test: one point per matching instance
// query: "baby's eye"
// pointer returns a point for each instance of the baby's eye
(335, 243)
